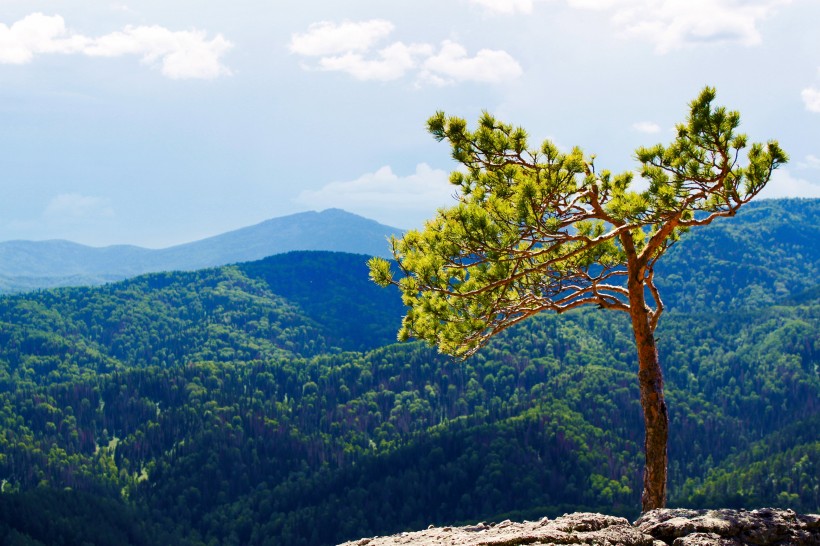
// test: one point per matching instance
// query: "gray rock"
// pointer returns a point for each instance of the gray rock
(667, 527)
(587, 522)
(580, 528)
(764, 527)
(705, 539)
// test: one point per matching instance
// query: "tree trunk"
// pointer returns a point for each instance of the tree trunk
(656, 419)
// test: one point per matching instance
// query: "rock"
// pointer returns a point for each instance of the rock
(767, 526)
(586, 522)
(666, 527)
(582, 528)
(705, 539)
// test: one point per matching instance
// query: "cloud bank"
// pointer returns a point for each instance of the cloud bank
(351, 47)
(177, 54)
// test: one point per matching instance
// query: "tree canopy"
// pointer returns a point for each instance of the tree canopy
(540, 229)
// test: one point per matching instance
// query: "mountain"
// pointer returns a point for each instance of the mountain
(27, 265)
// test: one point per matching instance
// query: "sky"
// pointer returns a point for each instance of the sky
(156, 123)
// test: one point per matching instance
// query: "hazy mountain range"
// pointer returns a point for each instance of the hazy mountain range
(27, 265)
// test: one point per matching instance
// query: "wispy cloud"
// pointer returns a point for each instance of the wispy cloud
(646, 127)
(505, 6)
(400, 201)
(670, 24)
(327, 38)
(122, 8)
(351, 47)
(177, 54)
(74, 206)
(675, 24)
(811, 162)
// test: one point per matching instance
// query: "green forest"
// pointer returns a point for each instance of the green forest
(268, 402)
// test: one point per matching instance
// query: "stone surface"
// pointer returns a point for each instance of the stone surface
(666, 527)
(764, 527)
(579, 528)
(705, 539)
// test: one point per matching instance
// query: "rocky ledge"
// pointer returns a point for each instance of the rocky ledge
(675, 527)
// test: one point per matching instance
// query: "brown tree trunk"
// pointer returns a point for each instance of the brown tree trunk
(656, 419)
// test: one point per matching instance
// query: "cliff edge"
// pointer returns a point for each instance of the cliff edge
(665, 527)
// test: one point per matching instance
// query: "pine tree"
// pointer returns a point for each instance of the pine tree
(542, 230)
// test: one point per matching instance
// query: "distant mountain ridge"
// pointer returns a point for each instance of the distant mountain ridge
(27, 265)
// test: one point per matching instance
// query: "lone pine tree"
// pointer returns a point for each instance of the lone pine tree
(542, 230)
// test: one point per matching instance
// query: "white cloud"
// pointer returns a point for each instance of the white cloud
(350, 47)
(73, 206)
(452, 63)
(181, 54)
(393, 62)
(783, 184)
(386, 197)
(327, 38)
(178, 54)
(506, 6)
(811, 98)
(646, 127)
(35, 34)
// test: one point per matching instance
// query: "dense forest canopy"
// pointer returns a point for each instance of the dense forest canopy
(225, 406)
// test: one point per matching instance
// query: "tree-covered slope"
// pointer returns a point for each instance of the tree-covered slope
(244, 404)
(783, 468)
(333, 289)
(768, 252)
(545, 420)
(162, 320)
(300, 303)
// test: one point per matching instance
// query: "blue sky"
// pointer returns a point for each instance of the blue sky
(156, 123)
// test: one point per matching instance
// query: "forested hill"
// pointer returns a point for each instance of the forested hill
(265, 403)
(299, 303)
(768, 252)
